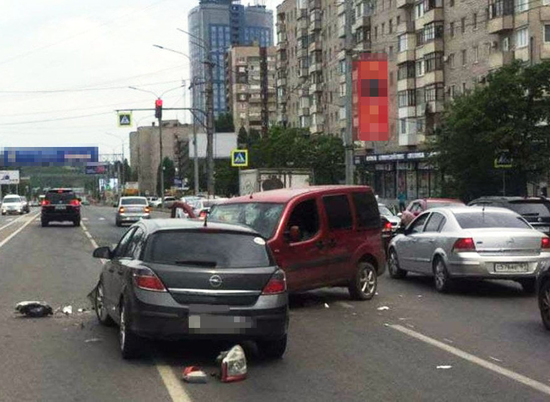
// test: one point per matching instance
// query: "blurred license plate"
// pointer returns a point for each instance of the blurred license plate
(60, 207)
(213, 323)
(517, 267)
(544, 229)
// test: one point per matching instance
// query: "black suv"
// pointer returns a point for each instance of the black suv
(60, 205)
(535, 210)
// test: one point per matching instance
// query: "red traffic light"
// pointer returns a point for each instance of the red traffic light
(158, 103)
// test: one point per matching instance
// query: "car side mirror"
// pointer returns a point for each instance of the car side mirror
(103, 252)
(399, 214)
(295, 235)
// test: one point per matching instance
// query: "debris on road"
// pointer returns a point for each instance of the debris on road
(194, 374)
(326, 305)
(495, 359)
(35, 309)
(447, 340)
(232, 364)
(67, 310)
(444, 367)
(93, 340)
(419, 296)
(382, 308)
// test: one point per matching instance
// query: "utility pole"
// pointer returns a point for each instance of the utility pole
(195, 145)
(348, 135)
(210, 123)
(158, 115)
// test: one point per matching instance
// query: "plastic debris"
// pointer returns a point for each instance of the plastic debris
(382, 308)
(444, 367)
(232, 364)
(194, 374)
(35, 309)
(67, 310)
(326, 305)
(93, 340)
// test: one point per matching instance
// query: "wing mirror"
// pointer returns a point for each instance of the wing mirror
(103, 252)
(399, 214)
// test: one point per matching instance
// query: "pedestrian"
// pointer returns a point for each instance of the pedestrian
(402, 198)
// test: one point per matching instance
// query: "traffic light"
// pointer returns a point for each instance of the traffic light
(158, 108)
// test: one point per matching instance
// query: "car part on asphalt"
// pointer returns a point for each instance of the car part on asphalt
(35, 309)
(194, 374)
(67, 310)
(232, 364)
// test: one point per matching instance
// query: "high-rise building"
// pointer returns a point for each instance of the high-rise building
(251, 92)
(215, 26)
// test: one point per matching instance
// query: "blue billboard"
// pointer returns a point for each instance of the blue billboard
(48, 156)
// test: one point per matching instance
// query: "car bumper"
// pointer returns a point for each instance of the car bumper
(158, 315)
(132, 217)
(12, 211)
(488, 267)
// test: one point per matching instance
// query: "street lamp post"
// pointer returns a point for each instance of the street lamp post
(122, 173)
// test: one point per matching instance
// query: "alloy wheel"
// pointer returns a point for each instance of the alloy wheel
(99, 305)
(545, 303)
(440, 275)
(367, 281)
(122, 328)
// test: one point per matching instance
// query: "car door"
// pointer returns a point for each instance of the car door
(127, 260)
(304, 261)
(427, 242)
(111, 278)
(407, 246)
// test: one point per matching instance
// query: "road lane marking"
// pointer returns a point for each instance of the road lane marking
(7, 239)
(101, 219)
(474, 359)
(12, 221)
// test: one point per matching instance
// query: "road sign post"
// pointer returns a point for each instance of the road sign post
(503, 160)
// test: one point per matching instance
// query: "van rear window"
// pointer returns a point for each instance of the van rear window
(366, 209)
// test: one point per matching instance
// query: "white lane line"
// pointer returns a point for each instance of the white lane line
(85, 219)
(102, 219)
(12, 221)
(171, 382)
(476, 360)
(7, 239)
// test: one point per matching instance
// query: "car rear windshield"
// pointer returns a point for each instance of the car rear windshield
(11, 200)
(133, 201)
(480, 220)
(64, 197)
(530, 208)
(208, 249)
(262, 217)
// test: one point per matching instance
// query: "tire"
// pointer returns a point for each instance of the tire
(273, 349)
(3, 213)
(544, 303)
(77, 222)
(393, 266)
(129, 342)
(100, 310)
(529, 285)
(442, 280)
(118, 223)
(44, 223)
(363, 286)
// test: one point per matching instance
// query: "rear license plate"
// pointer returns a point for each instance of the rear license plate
(544, 229)
(60, 207)
(515, 267)
(206, 323)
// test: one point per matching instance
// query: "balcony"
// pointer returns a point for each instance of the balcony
(315, 67)
(361, 22)
(435, 45)
(435, 14)
(316, 108)
(403, 85)
(302, 14)
(499, 59)
(303, 72)
(405, 56)
(316, 129)
(364, 46)
(407, 140)
(437, 106)
(314, 4)
(432, 77)
(315, 46)
(500, 24)
(313, 88)
(406, 112)
(302, 52)
(405, 27)
(404, 3)
(303, 23)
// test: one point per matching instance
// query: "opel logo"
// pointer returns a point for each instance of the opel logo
(215, 281)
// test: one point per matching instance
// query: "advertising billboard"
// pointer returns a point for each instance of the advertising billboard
(9, 177)
(48, 156)
(370, 95)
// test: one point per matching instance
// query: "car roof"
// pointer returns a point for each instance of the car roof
(132, 196)
(12, 195)
(440, 200)
(465, 209)
(287, 194)
(156, 225)
(510, 199)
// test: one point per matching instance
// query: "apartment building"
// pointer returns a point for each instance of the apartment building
(251, 87)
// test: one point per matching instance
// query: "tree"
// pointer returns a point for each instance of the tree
(169, 174)
(224, 123)
(127, 173)
(508, 113)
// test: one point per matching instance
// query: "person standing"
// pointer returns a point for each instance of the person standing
(402, 199)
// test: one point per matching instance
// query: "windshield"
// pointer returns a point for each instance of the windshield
(208, 249)
(133, 201)
(385, 211)
(11, 200)
(262, 217)
(481, 220)
(540, 209)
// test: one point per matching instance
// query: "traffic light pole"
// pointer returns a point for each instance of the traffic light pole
(161, 164)
(210, 125)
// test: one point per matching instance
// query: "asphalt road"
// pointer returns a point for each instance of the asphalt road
(487, 336)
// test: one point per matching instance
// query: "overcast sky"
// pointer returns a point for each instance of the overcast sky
(65, 45)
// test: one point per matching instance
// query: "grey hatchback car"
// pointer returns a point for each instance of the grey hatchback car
(181, 279)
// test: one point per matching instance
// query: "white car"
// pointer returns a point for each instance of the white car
(154, 202)
(12, 204)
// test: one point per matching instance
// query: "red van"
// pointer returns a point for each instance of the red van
(320, 236)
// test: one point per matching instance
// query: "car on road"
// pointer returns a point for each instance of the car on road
(470, 243)
(132, 209)
(168, 201)
(60, 205)
(390, 216)
(154, 202)
(179, 279)
(416, 207)
(320, 235)
(543, 295)
(535, 210)
(12, 204)
(26, 206)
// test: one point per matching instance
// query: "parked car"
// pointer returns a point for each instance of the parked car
(543, 291)
(470, 243)
(168, 201)
(132, 209)
(534, 210)
(154, 202)
(12, 204)
(60, 205)
(179, 279)
(320, 236)
(416, 207)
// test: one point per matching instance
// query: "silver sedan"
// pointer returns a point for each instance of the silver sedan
(132, 209)
(470, 243)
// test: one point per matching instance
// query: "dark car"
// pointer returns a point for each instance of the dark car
(543, 291)
(179, 279)
(534, 210)
(60, 205)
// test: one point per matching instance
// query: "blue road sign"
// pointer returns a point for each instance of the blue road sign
(239, 158)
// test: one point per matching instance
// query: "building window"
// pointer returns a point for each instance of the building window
(402, 43)
(547, 32)
(464, 88)
(419, 10)
(420, 68)
(403, 126)
(506, 44)
(474, 21)
(464, 57)
(434, 92)
(476, 54)
(433, 61)
(451, 60)
(406, 70)
(433, 31)
(420, 125)
(452, 91)
(522, 38)
(382, 28)
(463, 24)
(522, 5)
(452, 29)
(406, 98)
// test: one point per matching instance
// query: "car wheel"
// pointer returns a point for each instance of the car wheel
(529, 285)
(77, 222)
(273, 349)
(442, 280)
(363, 286)
(393, 266)
(100, 309)
(129, 342)
(44, 223)
(544, 303)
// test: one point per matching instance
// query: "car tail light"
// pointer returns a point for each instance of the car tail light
(203, 214)
(464, 245)
(74, 203)
(45, 202)
(121, 210)
(145, 279)
(147, 210)
(387, 227)
(276, 285)
(545, 243)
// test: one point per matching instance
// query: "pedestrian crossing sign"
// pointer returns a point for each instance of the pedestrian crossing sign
(239, 158)
(124, 119)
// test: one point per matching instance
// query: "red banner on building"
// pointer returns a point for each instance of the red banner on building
(370, 96)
